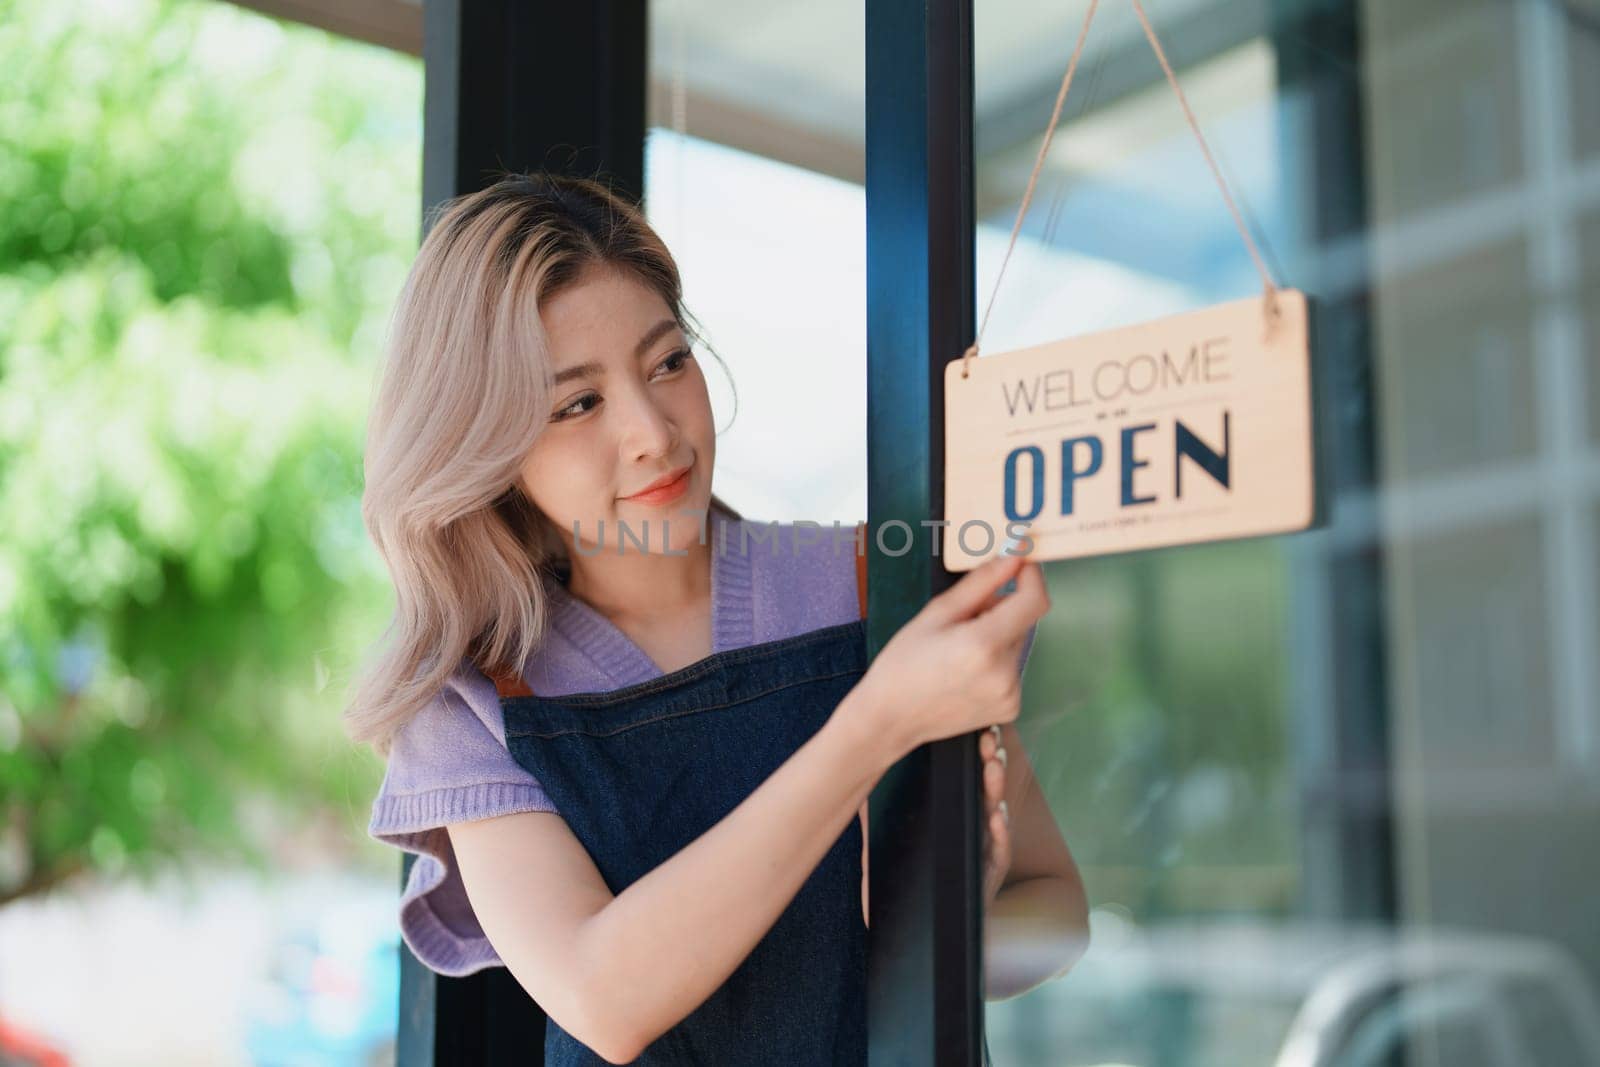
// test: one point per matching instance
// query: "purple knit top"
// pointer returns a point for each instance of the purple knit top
(450, 763)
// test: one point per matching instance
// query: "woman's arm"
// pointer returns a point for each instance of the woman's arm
(1038, 926)
(617, 972)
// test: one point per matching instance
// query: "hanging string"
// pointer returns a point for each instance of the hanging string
(1269, 287)
(1033, 179)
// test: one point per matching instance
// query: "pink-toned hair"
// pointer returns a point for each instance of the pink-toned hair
(464, 391)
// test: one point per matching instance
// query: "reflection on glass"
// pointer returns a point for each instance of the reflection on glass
(744, 265)
(1589, 295)
(1333, 794)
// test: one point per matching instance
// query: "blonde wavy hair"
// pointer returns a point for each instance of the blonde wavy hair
(465, 389)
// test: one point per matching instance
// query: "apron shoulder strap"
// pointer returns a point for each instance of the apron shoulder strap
(861, 571)
(510, 685)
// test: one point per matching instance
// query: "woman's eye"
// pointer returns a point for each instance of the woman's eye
(672, 364)
(676, 360)
(568, 411)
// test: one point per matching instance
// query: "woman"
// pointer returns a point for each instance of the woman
(634, 758)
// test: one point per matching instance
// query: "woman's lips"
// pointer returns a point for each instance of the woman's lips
(666, 493)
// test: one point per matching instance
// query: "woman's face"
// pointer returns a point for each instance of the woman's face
(629, 407)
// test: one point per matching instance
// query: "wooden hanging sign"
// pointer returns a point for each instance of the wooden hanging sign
(1194, 427)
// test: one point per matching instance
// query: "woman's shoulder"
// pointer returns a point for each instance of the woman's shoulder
(448, 764)
(803, 574)
(460, 726)
(467, 703)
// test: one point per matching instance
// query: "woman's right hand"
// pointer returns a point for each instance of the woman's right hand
(952, 669)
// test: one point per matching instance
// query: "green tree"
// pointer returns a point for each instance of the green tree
(204, 217)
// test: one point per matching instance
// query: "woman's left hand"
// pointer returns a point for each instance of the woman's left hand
(997, 821)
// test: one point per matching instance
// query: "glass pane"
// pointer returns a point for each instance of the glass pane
(1583, 69)
(1328, 791)
(1588, 306)
(753, 172)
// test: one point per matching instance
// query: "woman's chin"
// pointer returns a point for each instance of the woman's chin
(686, 523)
(678, 525)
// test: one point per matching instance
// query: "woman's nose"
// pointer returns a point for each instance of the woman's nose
(650, 430)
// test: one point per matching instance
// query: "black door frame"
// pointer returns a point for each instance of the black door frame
(510, 85)
(925, 950)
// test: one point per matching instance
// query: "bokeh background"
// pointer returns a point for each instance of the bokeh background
(205, 215)
(1332, 792)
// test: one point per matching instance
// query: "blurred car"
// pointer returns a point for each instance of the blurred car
(1242, 994)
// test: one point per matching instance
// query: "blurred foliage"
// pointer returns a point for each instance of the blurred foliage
(1155, 714)
(205, 216)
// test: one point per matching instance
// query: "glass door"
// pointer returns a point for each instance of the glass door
(1334, 794)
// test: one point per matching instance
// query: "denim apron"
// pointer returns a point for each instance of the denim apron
(640, 772)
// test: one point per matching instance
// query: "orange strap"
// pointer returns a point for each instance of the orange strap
(861, 571)
(511, 685)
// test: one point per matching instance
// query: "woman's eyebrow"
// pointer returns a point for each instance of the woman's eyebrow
(592, 369)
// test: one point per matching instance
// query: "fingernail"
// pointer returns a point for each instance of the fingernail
(1000, 754)
(1010, 549)
(1014, 541)
(994, 728)
(1005, 813)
